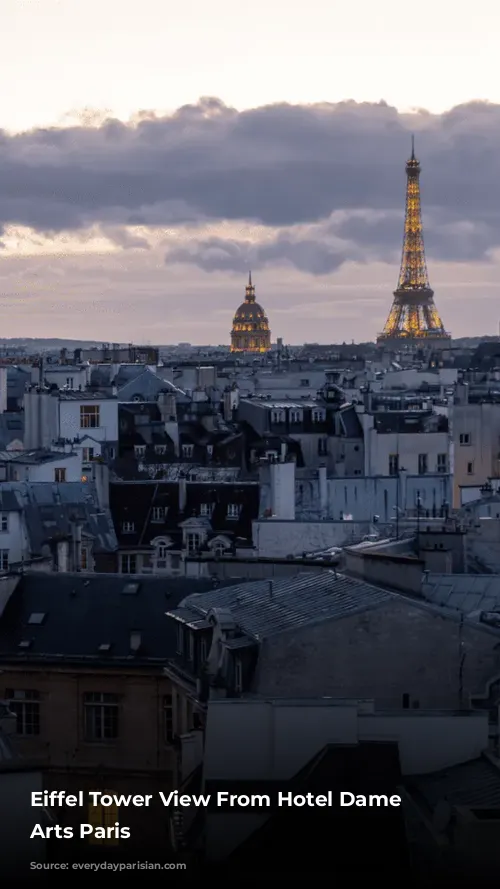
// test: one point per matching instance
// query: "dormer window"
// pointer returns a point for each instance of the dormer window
(128, 527)
(160, 449)
(139, 450)
(277, 416)
(233, 511)
(206, 509)
(187, 450)
(295, 417)
(158, 514)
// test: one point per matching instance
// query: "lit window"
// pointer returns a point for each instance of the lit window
(89, 416)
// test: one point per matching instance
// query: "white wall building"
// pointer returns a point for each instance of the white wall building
(476, 441)
(251, 740)
(52, 416)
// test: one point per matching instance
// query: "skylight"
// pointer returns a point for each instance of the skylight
(37, 618)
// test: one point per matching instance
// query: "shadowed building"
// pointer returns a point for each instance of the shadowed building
(250, 332)
(413, 319)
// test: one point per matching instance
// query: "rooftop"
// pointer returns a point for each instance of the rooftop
(263, 608)
(90, 617)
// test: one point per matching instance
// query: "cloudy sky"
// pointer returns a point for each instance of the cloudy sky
(151, 153)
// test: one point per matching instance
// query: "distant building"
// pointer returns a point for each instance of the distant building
(250, 331)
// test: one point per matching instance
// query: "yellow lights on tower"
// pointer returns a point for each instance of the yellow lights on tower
(413, 313)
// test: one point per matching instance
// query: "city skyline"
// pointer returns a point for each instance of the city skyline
(143, 227)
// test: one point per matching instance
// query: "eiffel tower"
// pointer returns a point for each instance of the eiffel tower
(413, 319)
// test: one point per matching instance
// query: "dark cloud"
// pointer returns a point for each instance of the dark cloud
(282, 166)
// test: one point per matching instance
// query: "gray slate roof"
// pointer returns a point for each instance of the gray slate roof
(463, 592)
(473, 784)
(52, 508)
(263, 608)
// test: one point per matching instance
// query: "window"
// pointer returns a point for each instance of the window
(160, 449)
(161, 551)
(192, 542)
(205, 509)
(219, 549)
(238, 675)
(210, 450)
(87, 454)
(304, 382)
(168, 719)
(393, 464)
(60, 475)
(464, 438)
(318, 416)
(187, 450)
(4, 559)
(128, 527)
(26, 706)
(442, 462)
(70, 382)
(89, 416)
(322, 447)
(129, 563)
(470, 468)
(295, 417)
(139, 450)
(158, 514)
(277, 416)
(233, 511)
(4, 522)
(100, 716)
(422, 464)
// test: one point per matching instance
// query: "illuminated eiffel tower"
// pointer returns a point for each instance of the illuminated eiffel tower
(413, 319)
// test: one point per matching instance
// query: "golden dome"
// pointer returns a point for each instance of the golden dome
(250, 331)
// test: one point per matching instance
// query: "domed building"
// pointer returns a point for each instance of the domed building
(250, 331)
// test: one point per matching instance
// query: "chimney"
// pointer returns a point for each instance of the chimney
(168, 411)
(62, 556)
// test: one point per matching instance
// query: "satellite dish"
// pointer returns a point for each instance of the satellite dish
(442, 816)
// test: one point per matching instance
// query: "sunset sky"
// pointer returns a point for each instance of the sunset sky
(132, 206)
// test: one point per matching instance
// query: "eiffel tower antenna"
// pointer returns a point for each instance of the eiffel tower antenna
(413, 318)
